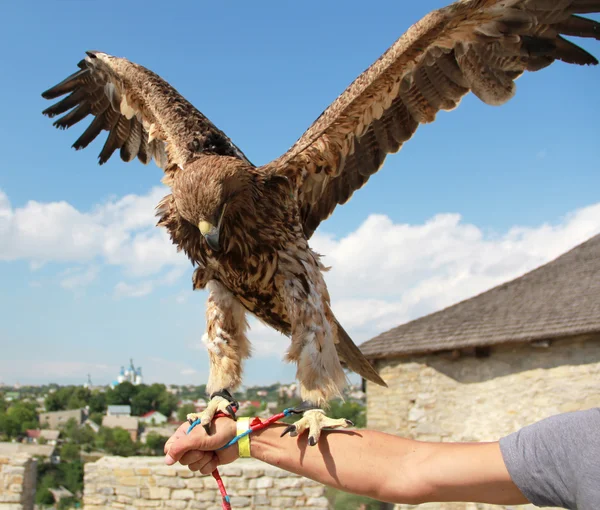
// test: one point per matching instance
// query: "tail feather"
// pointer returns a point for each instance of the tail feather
(350, 354)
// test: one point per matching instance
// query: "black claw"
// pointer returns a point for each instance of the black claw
(290, 429)
(207, 428)
(304, 406)
(190, 421)
(231, 412)
(312, 441)
(349, 423)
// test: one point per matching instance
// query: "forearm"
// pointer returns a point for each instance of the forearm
(354, 461)
(391, 468)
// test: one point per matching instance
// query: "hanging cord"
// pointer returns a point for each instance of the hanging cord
(255, 424)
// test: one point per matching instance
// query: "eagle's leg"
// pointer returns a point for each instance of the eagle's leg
(314, 333)
(228, 346)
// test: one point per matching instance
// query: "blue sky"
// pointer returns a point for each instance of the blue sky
(479, 196)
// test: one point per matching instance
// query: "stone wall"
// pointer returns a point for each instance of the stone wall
(17, 482)
(483, 398)
(146, 482)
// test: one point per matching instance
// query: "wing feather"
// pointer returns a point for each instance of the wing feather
(479, 46)
(145, 117)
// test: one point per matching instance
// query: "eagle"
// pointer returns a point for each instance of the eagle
(246, 228)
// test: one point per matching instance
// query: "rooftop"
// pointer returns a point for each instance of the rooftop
(125, 422)
(558, 299)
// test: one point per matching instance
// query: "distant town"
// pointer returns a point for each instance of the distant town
(66, 426)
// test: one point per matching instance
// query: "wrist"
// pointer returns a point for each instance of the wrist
(243, 432)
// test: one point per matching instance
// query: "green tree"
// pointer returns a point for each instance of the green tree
(156, 442)
(79, 397)
(146, 398)
(352, 411)
(71, 475)
(19, 417)
(66, 503)
(167, 403)
(115, 441)
(184, 410)
(47, 479)
(97, 402)
(70, 452)
(77, 434)
(96, 418)
(121, 394)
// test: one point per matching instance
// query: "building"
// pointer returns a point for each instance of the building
(131, 374)
(56, 419)
(122, 410)
(153, 418)
(129, 423)
(482, 368)
(42, 436)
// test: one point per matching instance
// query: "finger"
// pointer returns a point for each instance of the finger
(192, 457)
(198, 465)
(180, 432)
(210, 466)
(197, 439)
(182, 445)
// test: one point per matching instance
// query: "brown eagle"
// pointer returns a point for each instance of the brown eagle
(247, 227)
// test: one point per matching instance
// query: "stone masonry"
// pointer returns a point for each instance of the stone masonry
(146, 482)
(17, 482)
(482, 398)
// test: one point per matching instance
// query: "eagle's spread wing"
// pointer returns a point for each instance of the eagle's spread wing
(472, 45)
(144, 115)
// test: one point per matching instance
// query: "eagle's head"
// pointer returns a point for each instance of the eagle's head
(211, 193)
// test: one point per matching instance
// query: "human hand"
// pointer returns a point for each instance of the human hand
(197, 449)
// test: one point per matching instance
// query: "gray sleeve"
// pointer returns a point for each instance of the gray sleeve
(556, 462)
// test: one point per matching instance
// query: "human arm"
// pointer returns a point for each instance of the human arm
(370, 463)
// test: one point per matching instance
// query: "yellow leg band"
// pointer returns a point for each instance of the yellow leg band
(243, 424)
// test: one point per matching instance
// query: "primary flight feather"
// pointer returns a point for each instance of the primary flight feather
(246, 228)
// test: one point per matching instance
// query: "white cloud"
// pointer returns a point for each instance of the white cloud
(119, 232)
(140, 289)
(385, 274)
(76, 278)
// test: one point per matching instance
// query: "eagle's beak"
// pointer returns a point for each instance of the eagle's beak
(211, 234)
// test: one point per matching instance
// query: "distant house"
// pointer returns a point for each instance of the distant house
(129, 423)
(200, 405)
(48, 436)
(118, 411)
(153, 418)
(56, 419)
(484, 367)
(245, 405)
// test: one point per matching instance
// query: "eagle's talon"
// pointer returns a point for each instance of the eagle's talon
(231, 412)
(222, 403)
(290, 429)
(314, 421)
